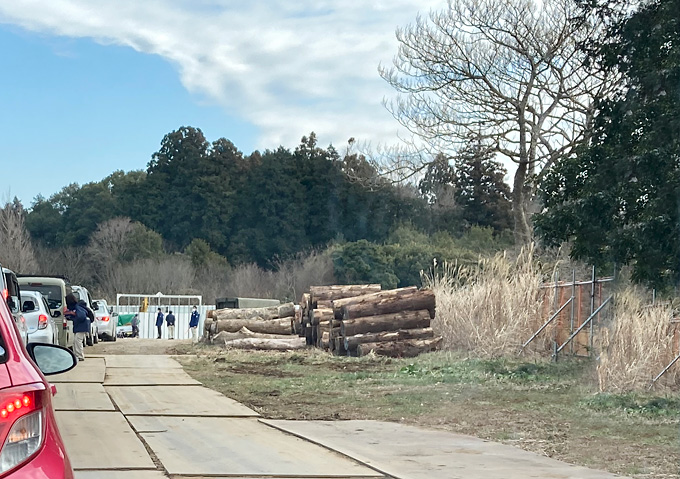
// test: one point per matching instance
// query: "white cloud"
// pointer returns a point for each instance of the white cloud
(286, 67)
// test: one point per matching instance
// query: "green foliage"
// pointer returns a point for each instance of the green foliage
(634, 404)
(617, 201)
(143, 243)
(364, 262)
(202, 256)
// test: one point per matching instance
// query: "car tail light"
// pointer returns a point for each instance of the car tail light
(5, 293)
(104, 319)
(42, 321)
(21, 424)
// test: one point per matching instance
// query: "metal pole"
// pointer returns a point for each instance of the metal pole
(592, 308)
(545, 325)
(571, 316)
(585, 323)
(664, 371)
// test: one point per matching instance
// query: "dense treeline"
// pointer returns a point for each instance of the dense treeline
(256, 208)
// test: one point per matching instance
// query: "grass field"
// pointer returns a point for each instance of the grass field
(544, 407)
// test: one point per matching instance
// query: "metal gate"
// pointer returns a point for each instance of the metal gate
(180, 305)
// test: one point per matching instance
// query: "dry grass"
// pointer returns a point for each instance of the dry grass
(637, 345)
(489, 310)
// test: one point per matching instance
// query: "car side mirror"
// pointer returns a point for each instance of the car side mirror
(51, 359)
(56, 314)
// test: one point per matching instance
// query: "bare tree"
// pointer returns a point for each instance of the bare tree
(108, 248)
(16, 248)
(509, 73)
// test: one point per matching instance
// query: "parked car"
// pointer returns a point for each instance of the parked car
(82, 294)
(11, 293)
(106, 323)
(30, 443)
(54, 289)
(39, 320)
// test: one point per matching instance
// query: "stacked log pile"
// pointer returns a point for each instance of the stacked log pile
(357, 319)
(316, 309)
(253, 328)
(392, 323)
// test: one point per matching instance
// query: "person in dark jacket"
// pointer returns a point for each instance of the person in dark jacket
(193, 324)
(81, 324)
(170, 321)
(159, 323)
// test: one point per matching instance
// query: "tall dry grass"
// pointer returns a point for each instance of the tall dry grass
(637, 345)
(490, 309)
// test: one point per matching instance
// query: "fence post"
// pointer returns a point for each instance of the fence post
(592, 309)
(571, 318)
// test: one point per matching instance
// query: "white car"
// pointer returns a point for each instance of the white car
(39, 320)
(106, 323)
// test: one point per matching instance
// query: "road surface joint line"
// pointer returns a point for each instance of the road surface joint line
(154, 458)
(306, 439)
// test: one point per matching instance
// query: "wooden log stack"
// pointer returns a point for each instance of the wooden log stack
(317, 309)
(393, 323)
(253, 328)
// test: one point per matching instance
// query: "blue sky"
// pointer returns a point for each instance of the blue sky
(74, 111)
(91, 87)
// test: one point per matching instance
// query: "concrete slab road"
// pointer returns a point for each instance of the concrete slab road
(102, 440)
(222, 446)
(408, 452)
(141, 361)
(148, 377)
(175, 401)
(82, 397)
(92, 370)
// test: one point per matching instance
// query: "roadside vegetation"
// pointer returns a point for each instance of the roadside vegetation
(548, 408)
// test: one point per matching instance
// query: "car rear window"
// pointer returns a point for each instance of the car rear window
(51, 292)
(28, 301)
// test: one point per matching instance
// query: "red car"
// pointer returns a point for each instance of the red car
(32, 447)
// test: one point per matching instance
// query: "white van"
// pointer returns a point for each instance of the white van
(54, 289)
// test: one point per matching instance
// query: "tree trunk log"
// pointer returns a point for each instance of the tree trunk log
(256, 325)
(266, 344)
(320, 315)
(339, 304)
(331, 293)
(401, 300)
(351, 342)
(401, 349)
(245, 333)
(386, 322)
(210, 314)
(273, 312)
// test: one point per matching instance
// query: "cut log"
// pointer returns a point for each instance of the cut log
(404, 300)
(400, 349)
(322, 304)
(266, 344)
(244, 333)
(339, 304)
(257, 325)
(386, 322)
(333, 292)
(320, 315)
(271, 312)
(351, 342)
(325, 340)
(210, 314)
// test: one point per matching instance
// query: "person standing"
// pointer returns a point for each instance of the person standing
(159, 323)
(170, 321)
(193, 324)
(81, 324)
(135, 326)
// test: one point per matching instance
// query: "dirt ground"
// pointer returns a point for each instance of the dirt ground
(139, 346)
